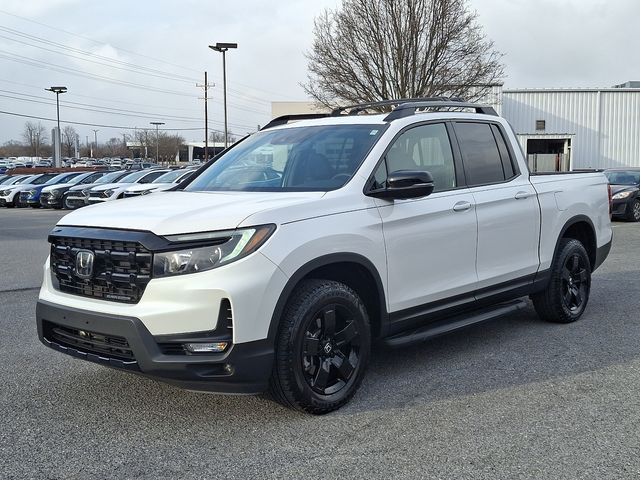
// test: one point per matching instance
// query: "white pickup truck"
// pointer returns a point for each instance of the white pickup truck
(283, 263)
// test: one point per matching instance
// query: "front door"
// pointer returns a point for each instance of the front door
(430, 241)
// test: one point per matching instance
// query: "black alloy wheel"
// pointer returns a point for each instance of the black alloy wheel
(565, 296)
(575, 282)
(322, 347)
(330, 349)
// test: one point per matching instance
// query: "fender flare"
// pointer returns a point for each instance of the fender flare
(324, 261)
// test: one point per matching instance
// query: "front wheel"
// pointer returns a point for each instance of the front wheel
(322, 347)
(567, 294)
(634, 211)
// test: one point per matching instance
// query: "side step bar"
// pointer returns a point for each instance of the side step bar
(454, 323)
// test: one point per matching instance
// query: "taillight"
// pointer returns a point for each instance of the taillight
(610, 199)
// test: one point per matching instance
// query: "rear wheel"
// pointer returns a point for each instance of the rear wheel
(322, 347)
(567, 294)
(634, 211)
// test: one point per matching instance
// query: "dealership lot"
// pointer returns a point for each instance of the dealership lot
(516, 398)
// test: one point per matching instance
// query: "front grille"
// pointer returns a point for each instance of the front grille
(45, 197)
(121, 270)
(96, 195)
(106, 346)
(131, 194)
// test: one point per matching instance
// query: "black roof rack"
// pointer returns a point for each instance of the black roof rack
(409, 108)
(284, 119)
(404, 107)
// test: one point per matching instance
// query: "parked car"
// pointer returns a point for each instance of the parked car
(52, 195)
(160, 184)
(13, 179)
(10, 195)
(625, 187)
(31, 196)
(76, 196)
(114, 191)
(394, 227)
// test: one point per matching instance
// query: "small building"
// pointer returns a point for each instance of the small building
(561, 129)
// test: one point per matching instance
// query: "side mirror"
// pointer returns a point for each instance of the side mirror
(405, 184)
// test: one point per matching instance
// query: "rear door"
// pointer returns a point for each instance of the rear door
(430, 241)
(506, 206)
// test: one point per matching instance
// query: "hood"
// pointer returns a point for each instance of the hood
(140, 187)
(170, 213)
(48, 188)
(622, 188)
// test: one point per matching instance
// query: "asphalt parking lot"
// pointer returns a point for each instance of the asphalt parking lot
(516, 398)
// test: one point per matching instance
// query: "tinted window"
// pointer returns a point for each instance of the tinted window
(622, 177)
(482, 162)
(150, 177)
(507, 161)
(425, 148)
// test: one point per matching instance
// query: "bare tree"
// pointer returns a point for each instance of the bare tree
(70, 139)
(215, 136)
(168, 145)
(370, 50)
(34, 135)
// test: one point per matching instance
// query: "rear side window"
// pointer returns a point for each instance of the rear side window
(480, 154)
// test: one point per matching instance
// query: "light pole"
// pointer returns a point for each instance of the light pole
(58, 150)
(223, 47)
(157, 124)
(95, 137)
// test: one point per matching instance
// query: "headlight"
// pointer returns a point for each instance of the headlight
(225, 247)
(4, 193)
(31, 193)
(146, 192)
(85, 192)
(621, 195)
(54, 193)
(107, 193)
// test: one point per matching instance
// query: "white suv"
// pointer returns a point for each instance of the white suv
(279, 264)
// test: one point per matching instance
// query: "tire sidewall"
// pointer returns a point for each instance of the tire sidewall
(569, 249)
(300, 317)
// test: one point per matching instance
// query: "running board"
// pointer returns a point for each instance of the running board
(452, 324)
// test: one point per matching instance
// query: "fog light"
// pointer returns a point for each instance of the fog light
(206, 347)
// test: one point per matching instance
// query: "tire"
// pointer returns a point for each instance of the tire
(322, 347)
(567, 294)
(633, 215)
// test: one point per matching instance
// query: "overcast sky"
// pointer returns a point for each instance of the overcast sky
(161, 47)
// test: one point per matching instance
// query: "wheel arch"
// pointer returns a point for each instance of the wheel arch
(352, 269)
(580, 228)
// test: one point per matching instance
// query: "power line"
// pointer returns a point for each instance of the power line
(140, 55)
(118, 127)
(129, 113)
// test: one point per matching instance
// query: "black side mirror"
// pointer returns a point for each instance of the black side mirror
(405, 184)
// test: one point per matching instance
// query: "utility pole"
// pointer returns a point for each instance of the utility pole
(95, 136)
(206, 115)
(157, 124)
(89, 149)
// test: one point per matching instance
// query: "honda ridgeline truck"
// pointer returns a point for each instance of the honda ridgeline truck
(283, 263)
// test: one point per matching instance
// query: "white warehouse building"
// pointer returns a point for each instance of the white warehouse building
(562, 129)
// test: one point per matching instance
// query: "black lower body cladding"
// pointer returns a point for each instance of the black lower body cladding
(125, 343)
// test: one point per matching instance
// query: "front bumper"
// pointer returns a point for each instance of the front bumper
(46, 200)
(73, 201)
(619, 207)
(243, 368)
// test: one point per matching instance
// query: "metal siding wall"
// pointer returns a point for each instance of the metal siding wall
(570, 113)
(620, 129)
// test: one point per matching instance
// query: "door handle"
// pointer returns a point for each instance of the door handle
(522, 195)
(462, 206)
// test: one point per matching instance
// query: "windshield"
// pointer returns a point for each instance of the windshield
(169, 177)
(134, 177)
(112, 177)
(623, 177)
(62, 178)
(42, 179)
(318, 158)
